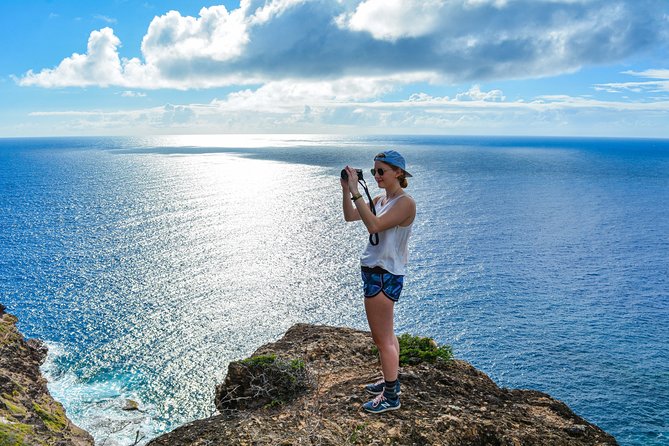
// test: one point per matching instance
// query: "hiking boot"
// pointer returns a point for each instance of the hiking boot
(381, 404)
(378, 387)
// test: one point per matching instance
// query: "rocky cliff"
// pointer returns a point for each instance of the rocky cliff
(307, 388)
(28, 414)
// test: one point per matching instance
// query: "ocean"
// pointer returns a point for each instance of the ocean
(148, 264)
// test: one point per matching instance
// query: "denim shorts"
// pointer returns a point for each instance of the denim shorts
(376, 279)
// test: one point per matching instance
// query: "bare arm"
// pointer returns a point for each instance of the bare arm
(350, 212)
(402, 213)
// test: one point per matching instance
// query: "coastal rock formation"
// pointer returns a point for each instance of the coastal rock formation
(443, 403)
(28, 414)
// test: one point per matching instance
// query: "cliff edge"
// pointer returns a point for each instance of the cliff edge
(307, 389)
(28, 414)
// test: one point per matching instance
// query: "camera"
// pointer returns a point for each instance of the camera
(344, 174)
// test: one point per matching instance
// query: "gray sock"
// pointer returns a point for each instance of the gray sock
(390, 390)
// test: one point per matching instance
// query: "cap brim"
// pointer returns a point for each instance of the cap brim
(391, 163)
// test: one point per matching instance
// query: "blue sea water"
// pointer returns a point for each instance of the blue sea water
(148, 264)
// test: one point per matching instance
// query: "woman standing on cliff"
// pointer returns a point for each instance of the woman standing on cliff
(383, 264)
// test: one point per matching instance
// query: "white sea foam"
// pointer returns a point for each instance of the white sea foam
(98, 406)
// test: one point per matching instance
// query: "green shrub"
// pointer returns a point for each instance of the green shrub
(416, 349)
(262, 381)
(259, 361)
(297, 365)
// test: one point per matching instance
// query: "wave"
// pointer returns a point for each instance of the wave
(99, 404)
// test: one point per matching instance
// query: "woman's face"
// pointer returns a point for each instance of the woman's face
(389, 174)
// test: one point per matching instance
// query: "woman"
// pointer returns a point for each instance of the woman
(383, 264)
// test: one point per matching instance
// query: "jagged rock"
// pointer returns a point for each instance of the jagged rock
(39, 349)
(443, 403)
(28, 414)
(131, 405)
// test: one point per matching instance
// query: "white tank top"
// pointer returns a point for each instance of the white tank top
(392, 252)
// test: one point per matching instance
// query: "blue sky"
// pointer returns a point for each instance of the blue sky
(500, 67)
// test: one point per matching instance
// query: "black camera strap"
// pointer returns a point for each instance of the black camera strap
(373, 238)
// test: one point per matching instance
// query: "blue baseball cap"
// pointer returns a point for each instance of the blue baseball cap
(394, 159)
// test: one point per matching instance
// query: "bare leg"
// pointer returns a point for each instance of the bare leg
(379, 311)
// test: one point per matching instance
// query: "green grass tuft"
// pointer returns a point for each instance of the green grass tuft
(14, 408)
(54, 420)
(14, 434)
(416, 349)
(353, 438)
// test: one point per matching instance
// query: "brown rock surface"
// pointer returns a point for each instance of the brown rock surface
(444, 403)
(28, 414)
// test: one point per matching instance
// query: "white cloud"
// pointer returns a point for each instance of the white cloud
(177, 114)
(102, 66)
(279, 95)
(104, 18)
(394, 19)
(279, 40)
(281, 107)
(475, 94)
(133, 94)
(652, 74)
(659, 85)
(99, 66)
(496, 3)
(216, 35)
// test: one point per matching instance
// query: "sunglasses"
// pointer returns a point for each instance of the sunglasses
(380, 171)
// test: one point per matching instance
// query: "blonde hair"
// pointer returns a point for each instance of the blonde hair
(403, 182)
(402, 178)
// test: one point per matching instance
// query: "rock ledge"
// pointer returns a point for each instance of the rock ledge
(444, 403)
(28, 414)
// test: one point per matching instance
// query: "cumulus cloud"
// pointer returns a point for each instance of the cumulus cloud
(475, 94)
(281, 40)
(100, 65)
(215, 36)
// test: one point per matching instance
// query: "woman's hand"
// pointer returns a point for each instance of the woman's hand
(352, 180)
(349, 187)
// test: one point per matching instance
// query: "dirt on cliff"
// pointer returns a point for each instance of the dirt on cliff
(29, 416)
(443, 403)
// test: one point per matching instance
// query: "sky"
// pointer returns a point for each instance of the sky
(460, 67)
